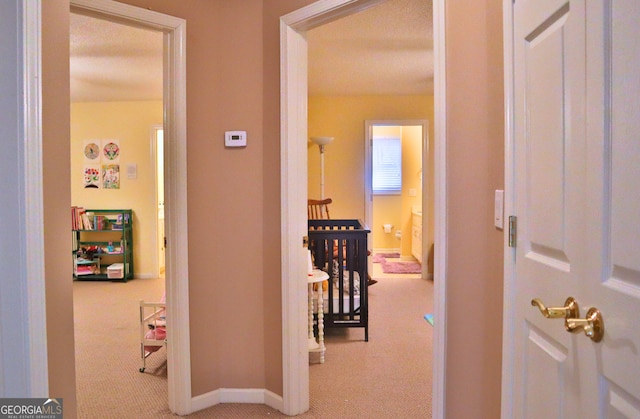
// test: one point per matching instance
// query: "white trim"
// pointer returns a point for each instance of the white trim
(175, 129)
(235, 395)
(293, 82)
(153, 156)
(295, 349)
(33, 199)
(440, 212)
(508, 343)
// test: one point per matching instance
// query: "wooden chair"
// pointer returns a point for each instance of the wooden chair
(318, 209)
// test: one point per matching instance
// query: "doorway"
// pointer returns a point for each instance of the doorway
(294, 99)
(395, 213)
(174, 110)
(102, 114)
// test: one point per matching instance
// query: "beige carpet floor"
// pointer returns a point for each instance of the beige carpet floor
(387, 377)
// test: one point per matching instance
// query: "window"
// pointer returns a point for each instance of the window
(386, 165)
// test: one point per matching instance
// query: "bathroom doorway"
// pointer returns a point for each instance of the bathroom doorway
(396, 159)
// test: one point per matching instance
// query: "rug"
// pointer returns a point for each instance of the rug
(380, 257)
(401, 267)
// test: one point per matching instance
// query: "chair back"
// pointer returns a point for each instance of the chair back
(318, 209)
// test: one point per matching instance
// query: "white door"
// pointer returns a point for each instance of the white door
(576, 194)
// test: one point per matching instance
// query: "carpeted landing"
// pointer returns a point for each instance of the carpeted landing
(387, 377)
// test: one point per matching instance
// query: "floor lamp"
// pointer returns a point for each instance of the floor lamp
(321, 142)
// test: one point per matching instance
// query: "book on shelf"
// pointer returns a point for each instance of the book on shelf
(82, 219)
(76, 218)
(86, 222)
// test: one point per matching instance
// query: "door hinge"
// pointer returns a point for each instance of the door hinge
(513, 230)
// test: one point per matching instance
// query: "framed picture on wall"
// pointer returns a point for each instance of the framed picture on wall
(111, 176)
(91, 178)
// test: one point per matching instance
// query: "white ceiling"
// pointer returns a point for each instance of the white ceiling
(387, 49)
(114, 62)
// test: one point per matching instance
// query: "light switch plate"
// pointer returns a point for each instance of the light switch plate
(498, 219)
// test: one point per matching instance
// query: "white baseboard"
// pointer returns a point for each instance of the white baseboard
(237, 395)
(394, 250)
(144, 276)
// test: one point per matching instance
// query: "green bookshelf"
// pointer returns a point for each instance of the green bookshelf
(102, 244)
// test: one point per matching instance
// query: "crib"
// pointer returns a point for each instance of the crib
(339, 247)
(153, 329)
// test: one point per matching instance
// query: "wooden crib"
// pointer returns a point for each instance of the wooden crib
(339, 247)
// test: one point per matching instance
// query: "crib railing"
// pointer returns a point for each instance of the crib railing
(339, 247)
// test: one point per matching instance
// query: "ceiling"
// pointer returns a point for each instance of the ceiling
(387, 49)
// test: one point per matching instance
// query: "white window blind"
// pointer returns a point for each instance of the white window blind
(387, 165)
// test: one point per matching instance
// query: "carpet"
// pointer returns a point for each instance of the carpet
(401, 267)
(380, 257)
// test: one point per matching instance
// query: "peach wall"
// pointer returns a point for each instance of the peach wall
(57, 200)
(233, 83)
(234, 211)
(475, 139)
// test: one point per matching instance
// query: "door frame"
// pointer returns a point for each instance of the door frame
(175, 106)
(174, 29)
(293, 149)
(368, 172)
(35, 328)
(155, 163)
(508, 310)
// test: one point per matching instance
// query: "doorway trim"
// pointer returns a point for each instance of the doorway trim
(159, 179)
(368, 172)
(36, 330)
(175, 139)
(293, 183)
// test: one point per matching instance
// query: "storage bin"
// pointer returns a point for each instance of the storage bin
(115, 270)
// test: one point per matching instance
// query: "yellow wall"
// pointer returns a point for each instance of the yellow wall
(131, 123)
(343, 117)
(411, 180)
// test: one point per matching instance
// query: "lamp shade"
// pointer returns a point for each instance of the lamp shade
(321, 140)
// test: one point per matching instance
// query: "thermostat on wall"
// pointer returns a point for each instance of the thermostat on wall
(235, 139)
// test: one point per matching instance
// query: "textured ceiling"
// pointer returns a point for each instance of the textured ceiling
(387, 49)
(112, 62)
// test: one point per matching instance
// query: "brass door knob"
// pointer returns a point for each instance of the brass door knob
(592, 325)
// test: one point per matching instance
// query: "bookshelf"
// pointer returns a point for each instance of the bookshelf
(102, 244)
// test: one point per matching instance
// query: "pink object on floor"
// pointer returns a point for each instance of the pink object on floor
(401, 267)
(159, 333)
(380, 257)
